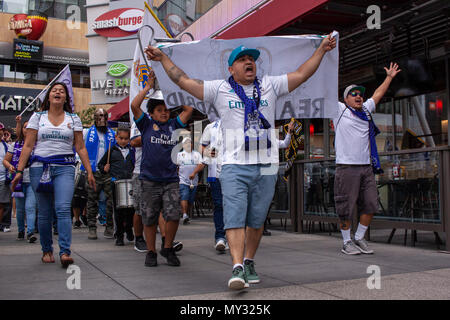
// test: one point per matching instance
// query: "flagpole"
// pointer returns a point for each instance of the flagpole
(51, 82)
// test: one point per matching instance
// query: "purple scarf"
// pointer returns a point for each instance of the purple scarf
(18, 191)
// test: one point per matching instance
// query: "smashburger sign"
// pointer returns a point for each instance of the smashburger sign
(119, 23)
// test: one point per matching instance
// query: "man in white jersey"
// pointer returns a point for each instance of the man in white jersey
(357, 161)
(246, 106)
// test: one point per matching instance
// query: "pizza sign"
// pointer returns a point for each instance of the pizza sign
(119, 22)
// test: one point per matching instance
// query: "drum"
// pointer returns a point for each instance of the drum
(123, 193)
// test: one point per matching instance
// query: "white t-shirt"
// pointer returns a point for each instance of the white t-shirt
(135, 133)
(352, 135)
(212, 137)
(187, 162)
(26, 171)
(231, 111)
(54, 140)
(3, 152)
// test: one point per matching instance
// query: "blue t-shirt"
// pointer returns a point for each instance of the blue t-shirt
(157, 145)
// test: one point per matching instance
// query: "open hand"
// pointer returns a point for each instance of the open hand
(91, 181)
(15, 181)
(393, 70)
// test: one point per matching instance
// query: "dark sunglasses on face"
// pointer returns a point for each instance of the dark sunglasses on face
(355, 93)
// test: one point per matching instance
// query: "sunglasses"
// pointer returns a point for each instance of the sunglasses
(355, 93)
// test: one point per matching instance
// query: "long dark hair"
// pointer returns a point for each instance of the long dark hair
(46, 104)
(21, 137)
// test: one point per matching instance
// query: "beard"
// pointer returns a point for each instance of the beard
(102, 129)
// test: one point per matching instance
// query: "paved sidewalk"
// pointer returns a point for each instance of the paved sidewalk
(291, 266)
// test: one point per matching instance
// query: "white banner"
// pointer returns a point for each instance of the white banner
(140, 73)
(208, 60)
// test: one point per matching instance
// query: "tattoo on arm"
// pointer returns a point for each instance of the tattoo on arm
(175, 74)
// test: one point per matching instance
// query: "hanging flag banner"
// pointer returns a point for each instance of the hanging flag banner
(297, 143)
(140, 72)
(208, 60)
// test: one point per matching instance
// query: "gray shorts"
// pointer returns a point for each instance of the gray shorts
(5, 193)
(159, 197)
(136, 184)
(355, 186)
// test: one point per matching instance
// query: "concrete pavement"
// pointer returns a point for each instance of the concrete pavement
(291, 266)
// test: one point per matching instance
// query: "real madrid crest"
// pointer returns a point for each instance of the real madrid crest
(155, 127)
(69, 126)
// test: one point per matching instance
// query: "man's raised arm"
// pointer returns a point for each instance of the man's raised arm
(178, 76)
(390, 74)
(308, 68)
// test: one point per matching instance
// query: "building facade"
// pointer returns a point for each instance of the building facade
(60, 28)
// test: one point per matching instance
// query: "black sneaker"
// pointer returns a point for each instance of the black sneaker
(77, 224)
(169, 254)
(31, 238)
(130, 235)
(140, 245)
(84, 219)
(151, 259)
(55, 232)
(177, 245)
(119, 241)
(21, 235)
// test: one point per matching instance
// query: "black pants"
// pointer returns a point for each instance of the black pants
(123, 218)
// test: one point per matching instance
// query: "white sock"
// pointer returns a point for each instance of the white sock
(185, 216)
(238, 265)
(360, 232)
(246, 259)
(346, 235)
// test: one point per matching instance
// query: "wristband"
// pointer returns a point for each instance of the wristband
(19, 171)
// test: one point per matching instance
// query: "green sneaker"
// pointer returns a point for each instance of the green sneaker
(250, 272)
(238, 281)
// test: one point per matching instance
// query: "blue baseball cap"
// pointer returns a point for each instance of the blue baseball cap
(242, 51)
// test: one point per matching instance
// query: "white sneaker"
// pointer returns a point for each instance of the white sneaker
(220, 245)
(6, 229)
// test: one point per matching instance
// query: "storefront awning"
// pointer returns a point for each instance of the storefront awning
(119, 109)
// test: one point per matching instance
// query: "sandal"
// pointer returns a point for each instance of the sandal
(47, 257)
(66, 260)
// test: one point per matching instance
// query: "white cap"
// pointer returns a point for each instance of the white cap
(353, 87)
(157, 95)
(186, 139)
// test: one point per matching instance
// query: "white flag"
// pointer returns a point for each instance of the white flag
(140, 70)
(65, 77)
(208, 60)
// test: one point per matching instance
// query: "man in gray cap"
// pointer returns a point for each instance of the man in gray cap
(246, 106)
(357, 161)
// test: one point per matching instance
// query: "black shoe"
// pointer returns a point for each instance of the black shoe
(169, 254)
(151, 259)
(77, 224)
(267, 233)
(119, 241)
(55, 232)
(177, 245)
(140, 245)
(84, 219)
(31, 238)
(21, 235)
(130, 235)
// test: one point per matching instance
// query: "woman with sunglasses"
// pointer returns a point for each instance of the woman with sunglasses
(53, 133)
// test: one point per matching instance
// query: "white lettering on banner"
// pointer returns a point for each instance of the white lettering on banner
(14, 102)
(208, 60)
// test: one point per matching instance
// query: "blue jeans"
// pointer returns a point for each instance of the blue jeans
(60, 201)
(216, 193)
(26, 205)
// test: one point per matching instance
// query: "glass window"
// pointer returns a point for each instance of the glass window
(14, 6)
(177, 15)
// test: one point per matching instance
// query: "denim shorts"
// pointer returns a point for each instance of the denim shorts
(247, 193)
(186, 193)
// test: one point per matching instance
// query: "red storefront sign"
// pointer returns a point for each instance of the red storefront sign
(119, 22)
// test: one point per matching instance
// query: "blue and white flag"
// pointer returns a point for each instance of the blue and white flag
(65, 77)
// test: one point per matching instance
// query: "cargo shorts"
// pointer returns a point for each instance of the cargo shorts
(136, 184)
(354, 185)
(159, 197)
